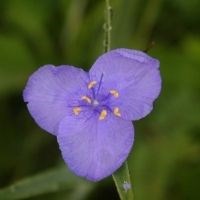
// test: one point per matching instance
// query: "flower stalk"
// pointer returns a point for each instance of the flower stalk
(107, 27)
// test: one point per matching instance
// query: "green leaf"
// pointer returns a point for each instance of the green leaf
(123, 183)
(51, 181)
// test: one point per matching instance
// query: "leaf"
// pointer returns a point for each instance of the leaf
(123, 183)
(51, 181)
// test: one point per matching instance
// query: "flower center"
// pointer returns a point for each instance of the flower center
(95, 102)
(98, 104)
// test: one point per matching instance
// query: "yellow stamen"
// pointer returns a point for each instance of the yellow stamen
(115, 93)
(91, 84)
(76, 110)
(86, 98)
(116, 112)
(103, 114)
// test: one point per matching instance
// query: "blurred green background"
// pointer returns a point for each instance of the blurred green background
(165, 162)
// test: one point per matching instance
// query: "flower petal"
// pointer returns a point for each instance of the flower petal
(47, 93)
(136, 77)
(94, 148)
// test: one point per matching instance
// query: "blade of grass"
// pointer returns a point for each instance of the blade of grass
(123, 183)
(50, 181)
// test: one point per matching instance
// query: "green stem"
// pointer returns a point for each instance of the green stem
(107, 27)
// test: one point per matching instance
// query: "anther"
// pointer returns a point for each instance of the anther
(76, 110)
(91, 84)
(86, 98)
(103, 114)
(116, 112)
(115, 93)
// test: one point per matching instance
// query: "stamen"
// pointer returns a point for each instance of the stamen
(115, 93)
(117, 112)
(91, 84)
(76, 110)
(103, 114)
(100, 82)
(86, 98)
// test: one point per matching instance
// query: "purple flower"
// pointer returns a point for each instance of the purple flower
(91, 113)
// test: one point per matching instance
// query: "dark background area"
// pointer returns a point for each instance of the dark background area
(165, 162)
